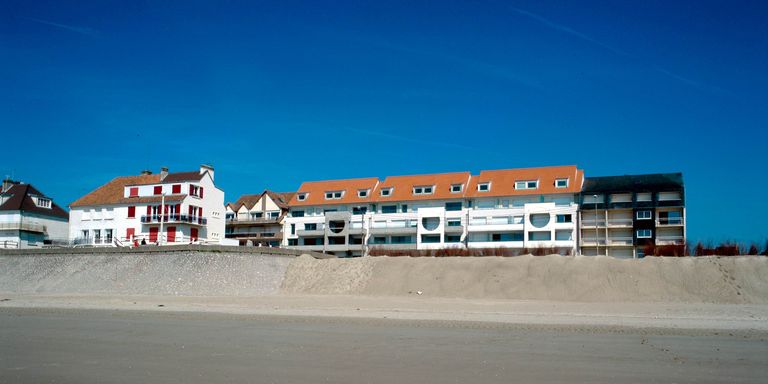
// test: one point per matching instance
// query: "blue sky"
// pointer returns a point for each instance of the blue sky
(275, 93)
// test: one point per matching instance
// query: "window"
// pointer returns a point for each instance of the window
(334, 195)
(401, 240)
(297, 213)
(131, 212)
(158, 190)
(564, 219)
(310, 226)
(196, 191)
(362, 193)
(274, 214)
(130, 233)
(404, 208)
(301, 196)
(293, 229)
(293, 242)
(452, 238)
(454, 222)
(644, 233)
(229, 216)
(386, 191)
(108, 235)
(540, 236)
(453, 206)
(43, 202)
(483, 187)
(644, 196)
(359, 210)
(388, 208)
(456, 188)
(527, 184)
(176, 189)
(644, 215)
(430, 238)
(423, 190)
(133, 192)
(379, 240)
(561, 183)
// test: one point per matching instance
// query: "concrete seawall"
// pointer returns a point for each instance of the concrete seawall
(184, 270)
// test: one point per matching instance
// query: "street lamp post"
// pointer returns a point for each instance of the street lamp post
(162, 212)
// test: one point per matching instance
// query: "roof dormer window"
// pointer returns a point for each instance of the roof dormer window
(424, 190)
(527, 184)
(42, 202)
(457, 188)
(386, 191)
(363, 192)
(483, 187)
(301, 196)
(561, 183)
(334, 195)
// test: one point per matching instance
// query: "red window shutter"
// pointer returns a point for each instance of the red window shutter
(191, 189)
(134, 192)
(176, 189)
(165, 209)
(200, 211)
(158, 190)
(149, 210)
(131, 212)
(191, 209)
(201, 192)
(178, 209)
(130, 232)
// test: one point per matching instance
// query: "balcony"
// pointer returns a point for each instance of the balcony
(233, 221)
(592, 242)
(669, 240)
(669, 222)
(592, 223)
(254, 235)
(22, 226)
(174, 219)
(620, 241)
(620, 223)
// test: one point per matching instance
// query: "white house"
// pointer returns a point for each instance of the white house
(256, 219)
(28, 218)
(164, 208)
(516, 208)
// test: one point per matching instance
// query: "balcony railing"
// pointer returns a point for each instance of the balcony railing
(174, 218)
(22, 226)
(669, 239)
(627, 240)
(593, 222)
(670, 221)
(252, 220)
(619, 222)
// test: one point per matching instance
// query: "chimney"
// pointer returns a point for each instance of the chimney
(146, 172)
(7, 184)
(163, 173)
(206, 168)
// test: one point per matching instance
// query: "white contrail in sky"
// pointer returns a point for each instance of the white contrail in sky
(73, 28)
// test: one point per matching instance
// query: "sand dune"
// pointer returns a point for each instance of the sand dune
(571, 278)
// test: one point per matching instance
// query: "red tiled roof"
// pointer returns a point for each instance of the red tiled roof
(503, 181)
(441, 183)
(316, 190)
(113, 191)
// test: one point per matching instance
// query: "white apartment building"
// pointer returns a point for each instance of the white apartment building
(517, 208)
(164, 208)
(28, 218)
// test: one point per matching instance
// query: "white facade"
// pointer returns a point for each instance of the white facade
(26, 230)
(193, 212)
(430, 225)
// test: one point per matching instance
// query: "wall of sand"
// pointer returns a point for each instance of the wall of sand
(560, 278)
